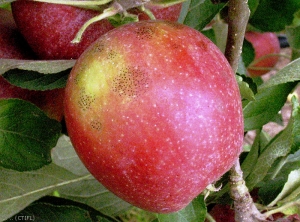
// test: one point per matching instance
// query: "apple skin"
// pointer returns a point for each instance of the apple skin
(264, 44)
(13, 46)
(50, 28)
(12, 43)
(50, 101)
(170, 13)
(222, 213)
(154, 112)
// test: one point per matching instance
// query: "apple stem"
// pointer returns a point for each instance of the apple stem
(106, 13)
(148, 12)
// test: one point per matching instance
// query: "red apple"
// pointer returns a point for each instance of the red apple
(154, 112)
(13, 46)
(222, 213)
(266, 48)
(50, 101)
(171, 13)
(12, 43)
(50, 28)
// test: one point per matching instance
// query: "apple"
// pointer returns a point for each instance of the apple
(13, 46)
(266, 48)
(50, 101)
(154, 112)
(12, 43)
(50, 28)
(170, 13)
(222, 213)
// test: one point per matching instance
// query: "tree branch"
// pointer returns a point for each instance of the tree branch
(238, 15)
(244, 207)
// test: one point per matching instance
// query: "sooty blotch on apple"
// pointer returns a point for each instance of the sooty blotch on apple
(145, 33)
(175, 46)
(85, 100)
(111, 54)
(202, 45)
(77, 77)
(96, 124)
(98, 46)
(131, 82)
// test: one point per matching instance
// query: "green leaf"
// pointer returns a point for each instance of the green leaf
(19, 189)
(271, 96)
(209, 33)
(251, 158)
(248, 53)
(5, 3)
(242, 69)
(194, 212)
(35, 74)
(36, 81)
(41, 66)
(119, 19)
(283, 166)
(200, 13)
(285, 143)
(268, 102)
(295, 121)
(291, 189)
(296, 20)
(290, 73)
(277, 148)
(253, 4)
(245, 90)
(27, 135)
(64, 155)
(217, 34)
(89, 192)
(278, 176)
(220, 29)
(60, 210)
(274, 15)
(269, 190)
(47, 212)
(293, 36)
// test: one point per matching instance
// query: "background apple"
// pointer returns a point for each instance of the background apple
(154, 112)
(50, 28)
(170, 13)
(50, 101)
(12, 43)
(13, 46)
(222, 213)
(266, 48)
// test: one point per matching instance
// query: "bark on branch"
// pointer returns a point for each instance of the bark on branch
(238, 16)
(244, 207)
